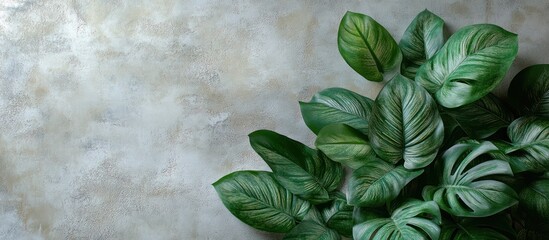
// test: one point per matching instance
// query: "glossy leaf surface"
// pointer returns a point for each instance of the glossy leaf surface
(530, 140)
(310, 230)
(378, 182)
(405, 124)
(483, 117)
(471, 64)
(414, 219)
(297, 167)
(466, 188)
(421, 40)
(344, 144)
(367, 46)
(257, 199)
(529, 91)
(337, 105)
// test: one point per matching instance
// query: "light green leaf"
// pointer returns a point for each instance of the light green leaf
(414, 219)
(339, 216)
(310, 230)
(530, 140)
(482, 118)
(497, 227)
(467, 189)
(344, 144)
(378, 182)
(529, 91)
(367, 47)
(298, 168)
(470, 65)
(405, 124)
(337, 105)
(256, 198)
(534, 200)
(421, 40)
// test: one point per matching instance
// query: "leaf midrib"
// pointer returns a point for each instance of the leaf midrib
(364, 39)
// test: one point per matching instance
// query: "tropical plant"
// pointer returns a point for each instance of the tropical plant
(434, 156)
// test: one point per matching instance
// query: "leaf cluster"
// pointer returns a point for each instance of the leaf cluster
(435, 156)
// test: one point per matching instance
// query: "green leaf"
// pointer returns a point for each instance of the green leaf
(339, 216)
(529, 91)
(483, 117)
(452, 131)
(414, 219)
(421, 40)
(337, 105)
(405, 124)
(298, 168)
(497, 227)
(534, 200)
(257, 199)
(470, 65)
(344, 144)
(310, 230)
(378, 182)
(530, 140)
(363, 214)
(466, 189)
(367, 47)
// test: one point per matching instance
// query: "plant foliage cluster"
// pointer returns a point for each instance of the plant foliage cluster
(434, 156)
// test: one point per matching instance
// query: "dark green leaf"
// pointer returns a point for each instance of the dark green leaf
(405, 124)
(530, 140)
(497, 227)
(297, 167)
(483, 117)
(534, 200)
(367, 47)
(257, 199)
(310, 230)
(529, 91)
(337, 105)
(344, 144)
(339, 216)
(470, 65)
(421, 40)
(414, 219)
(465, 188)
(378, 182)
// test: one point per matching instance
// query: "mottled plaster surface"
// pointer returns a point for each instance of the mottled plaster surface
(117, 115)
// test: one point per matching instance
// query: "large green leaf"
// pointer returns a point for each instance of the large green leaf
(497, 227)
(470, 65)
(337, 105)
(414, 219)
(529, 91)
(530, 140)
(344, 144)
(421, 40)
(339, 216)
(534, 200)
(405, 124)
(311, 230)
(367, 47)
(482, 118)
(257, 199)
(467, 189)
(300, 169)
(378, 182)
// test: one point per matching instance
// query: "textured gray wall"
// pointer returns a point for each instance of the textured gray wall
(117, 115)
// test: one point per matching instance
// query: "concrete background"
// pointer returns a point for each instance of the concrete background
(116, 116)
